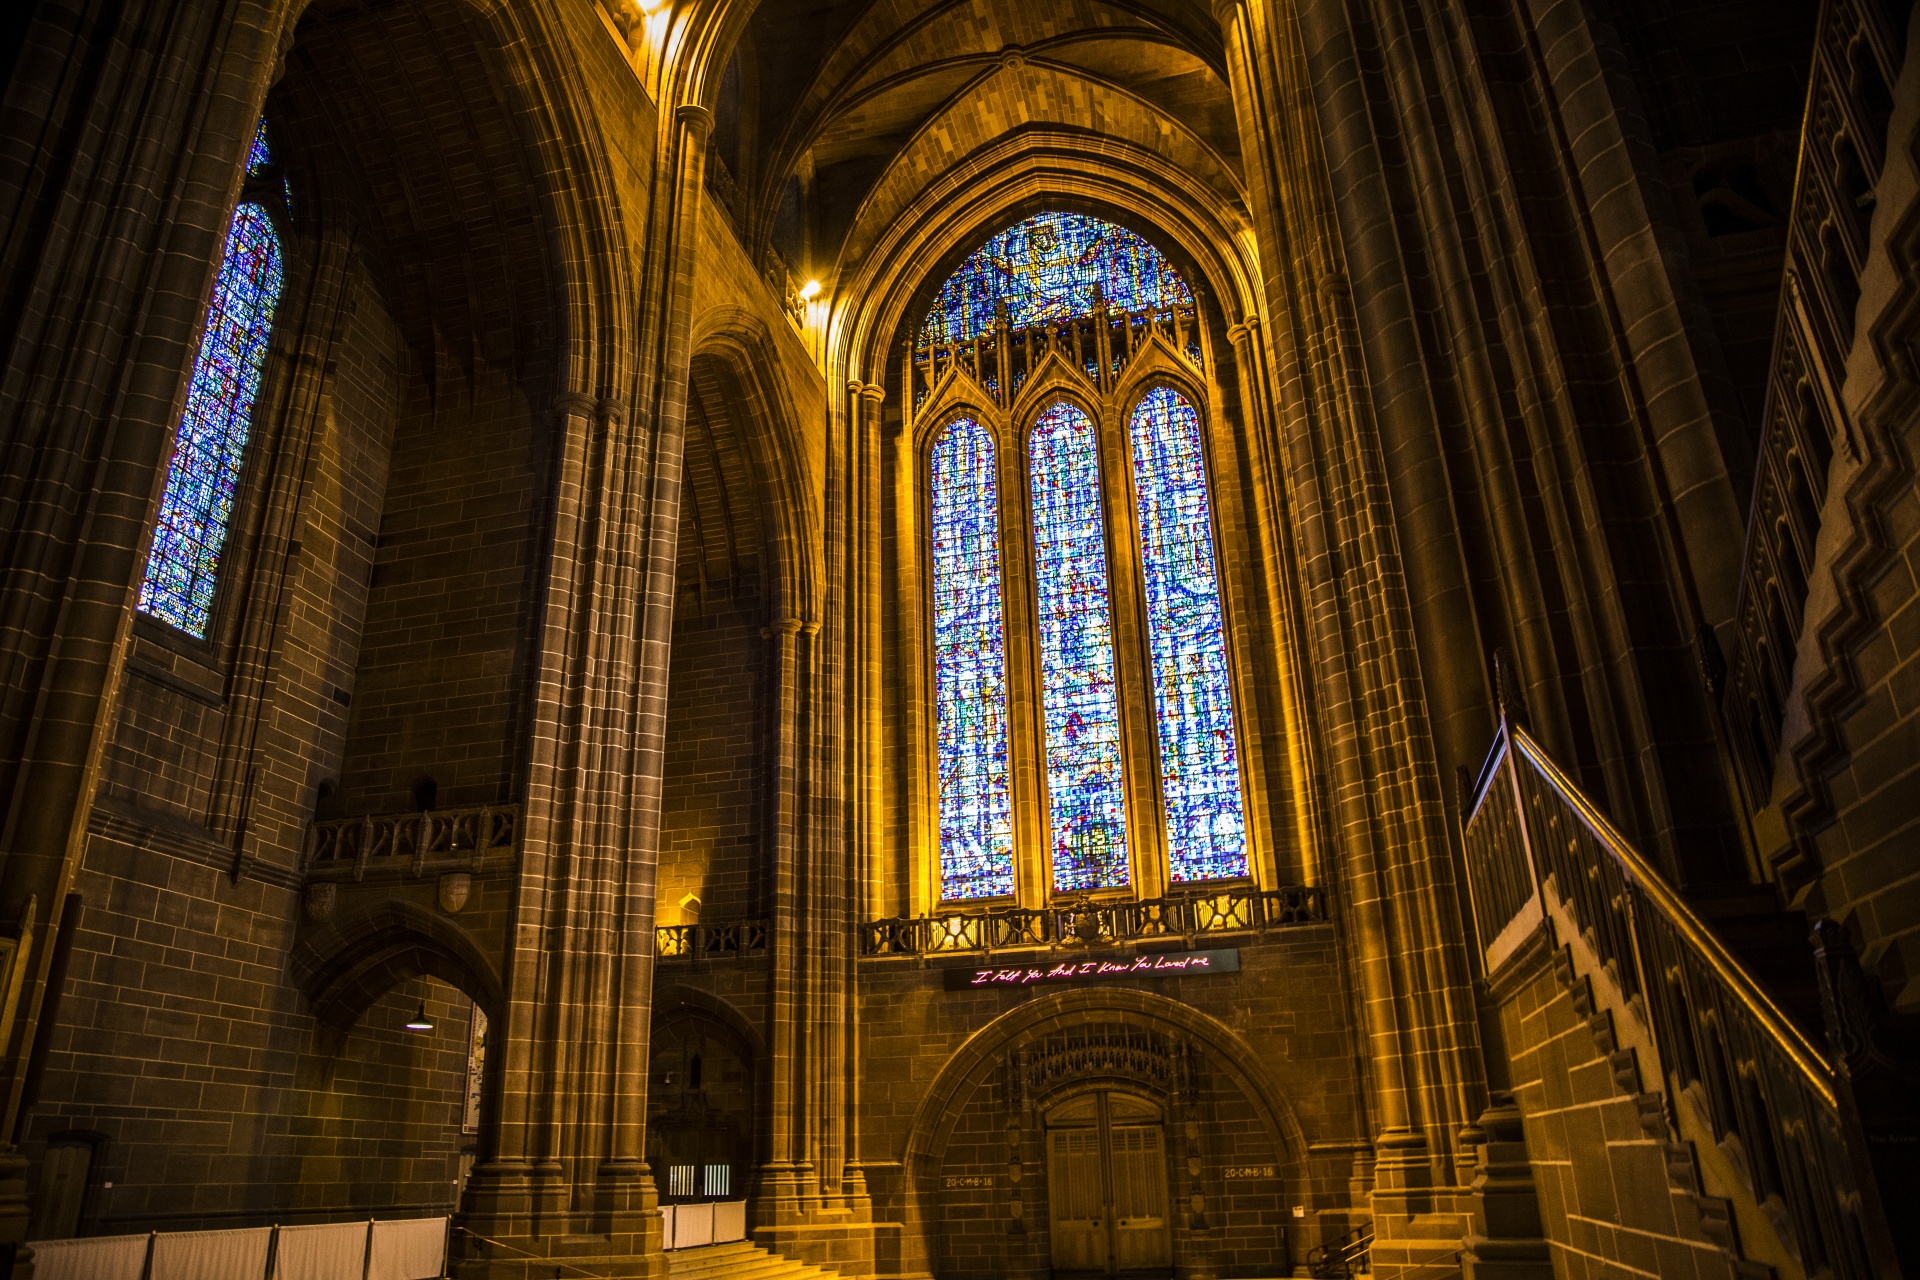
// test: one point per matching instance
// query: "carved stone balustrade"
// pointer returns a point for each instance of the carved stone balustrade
(1238, 909)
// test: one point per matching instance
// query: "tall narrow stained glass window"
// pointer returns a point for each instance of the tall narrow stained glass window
(970, 668)
(1187, 643)
(183, 565)
(1050, 268)
(1086, 798)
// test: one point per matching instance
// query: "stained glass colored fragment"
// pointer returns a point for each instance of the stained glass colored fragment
(183, 565)
(259, 155)
(1047, 269)
(970, 668)
(1187, 644)
(1086, 800)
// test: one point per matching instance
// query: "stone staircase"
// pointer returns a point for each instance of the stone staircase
(738, 1261)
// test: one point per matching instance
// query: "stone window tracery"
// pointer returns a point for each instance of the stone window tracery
(191, 532)
(1116, 516)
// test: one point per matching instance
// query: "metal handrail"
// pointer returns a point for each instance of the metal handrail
(1539, 851)
(1778, 1027)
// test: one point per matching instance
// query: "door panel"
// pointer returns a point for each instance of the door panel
(1075, 1193)
(1141, 1238)
(1107, 1186)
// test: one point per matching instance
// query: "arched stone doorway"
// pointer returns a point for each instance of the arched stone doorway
(701, 1108)
(1107, 1209)
(1074, 1112)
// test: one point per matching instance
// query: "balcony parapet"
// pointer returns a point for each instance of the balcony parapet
(1190, 916)
(430, 843)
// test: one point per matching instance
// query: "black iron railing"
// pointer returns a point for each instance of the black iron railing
(1343, 1256)
(1539, 851)
(1189, 916)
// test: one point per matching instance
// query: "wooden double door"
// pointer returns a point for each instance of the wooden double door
(1107, 1186)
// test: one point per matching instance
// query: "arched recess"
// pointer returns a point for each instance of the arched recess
(746, 573)
(706, 1097)
(343, 966)
(982, 1152)
(933, 1119)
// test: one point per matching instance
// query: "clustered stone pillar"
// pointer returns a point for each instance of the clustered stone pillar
(1390, 859)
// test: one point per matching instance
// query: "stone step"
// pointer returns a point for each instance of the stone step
(738, 1261)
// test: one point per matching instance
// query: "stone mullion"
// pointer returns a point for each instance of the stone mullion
(114, 281)
(1267, 531)
(917, 820)
(1020, 647)
(1132, 665)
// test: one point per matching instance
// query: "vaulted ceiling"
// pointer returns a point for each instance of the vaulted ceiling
(833, 115)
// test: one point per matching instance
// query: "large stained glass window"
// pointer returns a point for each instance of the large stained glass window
(184, 563)
(1048, 268)
(970, 667)
(1086, 798)
(1187, 643)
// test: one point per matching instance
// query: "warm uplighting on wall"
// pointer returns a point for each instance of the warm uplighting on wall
(420, 1021)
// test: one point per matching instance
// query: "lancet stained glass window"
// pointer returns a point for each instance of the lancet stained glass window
(1187, 643)
(1086, 800)
(183, 565)
(970, 667)
(1047, 268)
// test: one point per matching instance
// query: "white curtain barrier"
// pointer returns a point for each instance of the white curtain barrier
(688, 1226)
(404, 1249)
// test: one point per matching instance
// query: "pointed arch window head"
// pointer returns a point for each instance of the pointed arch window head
(1187, 643)
(970, 669)
(1051, 267)
(1086, 793)
(197, 504)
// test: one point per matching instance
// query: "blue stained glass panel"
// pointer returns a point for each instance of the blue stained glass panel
(1047, 269)
(1186, 640)
(259, 155)
(1086, 800)
(184, 563)
(970, 667)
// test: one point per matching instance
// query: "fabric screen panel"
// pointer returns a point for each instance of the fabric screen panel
(692, 1225)
(240, 1254)
(320, 1251)
(96, 1258)
(667, 1212)
(414, 1249)
(729, 1221)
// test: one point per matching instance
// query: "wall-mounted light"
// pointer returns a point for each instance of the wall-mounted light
(419, 1021)
(651, 7)
(809, 291)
